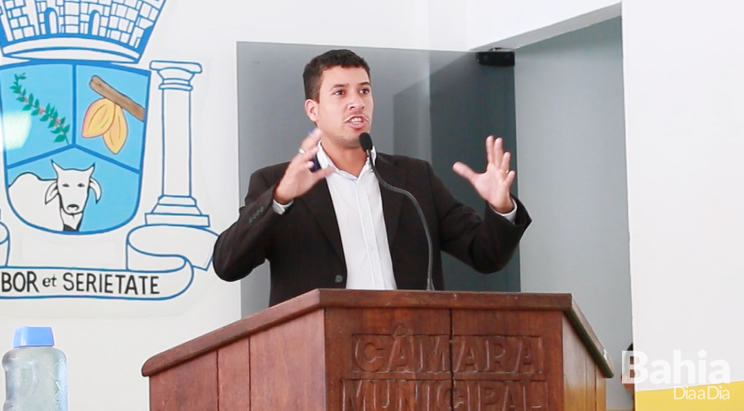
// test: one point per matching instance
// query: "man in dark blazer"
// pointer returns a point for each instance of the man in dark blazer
(322, 221)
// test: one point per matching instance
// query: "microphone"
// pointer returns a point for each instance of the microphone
(365, 140)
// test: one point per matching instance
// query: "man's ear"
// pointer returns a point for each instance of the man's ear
(311, 109)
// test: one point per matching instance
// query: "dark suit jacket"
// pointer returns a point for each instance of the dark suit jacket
(304, 247)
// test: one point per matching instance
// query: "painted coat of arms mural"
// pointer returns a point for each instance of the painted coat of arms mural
(74, 104)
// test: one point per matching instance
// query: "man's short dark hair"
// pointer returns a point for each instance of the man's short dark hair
(333, 58)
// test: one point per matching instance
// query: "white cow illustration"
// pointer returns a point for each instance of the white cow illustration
(32, 197)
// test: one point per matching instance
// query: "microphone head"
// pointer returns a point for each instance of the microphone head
(365, 140)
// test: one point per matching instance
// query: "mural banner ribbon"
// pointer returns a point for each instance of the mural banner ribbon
(160, 266)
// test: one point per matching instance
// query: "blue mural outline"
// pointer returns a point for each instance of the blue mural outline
(175, 238)
(20, 38)
(176, 205)
(73, 144)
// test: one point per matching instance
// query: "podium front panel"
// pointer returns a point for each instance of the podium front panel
(287, 370)
(505, 360)
(233, 375)
(388, 359)
(192, 386)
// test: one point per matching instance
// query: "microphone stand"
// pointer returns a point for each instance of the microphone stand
(429, 282)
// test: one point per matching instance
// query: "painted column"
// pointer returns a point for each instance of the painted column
(176, 204)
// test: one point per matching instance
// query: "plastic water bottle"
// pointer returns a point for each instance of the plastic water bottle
(35, 372)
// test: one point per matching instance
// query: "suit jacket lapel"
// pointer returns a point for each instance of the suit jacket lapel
(319, 204)
(391, 201)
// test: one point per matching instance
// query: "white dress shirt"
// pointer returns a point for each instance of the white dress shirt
(358, 206)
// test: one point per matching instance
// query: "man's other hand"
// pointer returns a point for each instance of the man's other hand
(494, 183)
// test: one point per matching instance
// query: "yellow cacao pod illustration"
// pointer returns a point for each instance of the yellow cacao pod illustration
(116, 135)
(99, 117)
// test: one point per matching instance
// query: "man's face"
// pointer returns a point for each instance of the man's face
(344, 107)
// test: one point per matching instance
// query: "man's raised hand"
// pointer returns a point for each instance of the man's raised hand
(494, 183)
(298, 178)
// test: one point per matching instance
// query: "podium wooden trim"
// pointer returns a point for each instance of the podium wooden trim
(455, 351)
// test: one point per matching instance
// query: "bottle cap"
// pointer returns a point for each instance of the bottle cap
(33, 337)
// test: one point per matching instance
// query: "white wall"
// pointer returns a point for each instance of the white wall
(385, 23)
(512, 24)
(684, 91)
(571, 157)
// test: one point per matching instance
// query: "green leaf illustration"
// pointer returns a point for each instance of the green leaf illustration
(49, 113)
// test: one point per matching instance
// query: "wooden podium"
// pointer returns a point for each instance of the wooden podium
(345, 350)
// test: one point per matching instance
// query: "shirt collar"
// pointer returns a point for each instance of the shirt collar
(326, 161)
